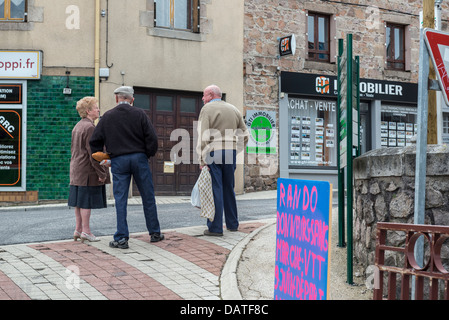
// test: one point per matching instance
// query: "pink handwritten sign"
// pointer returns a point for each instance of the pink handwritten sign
(303, 229)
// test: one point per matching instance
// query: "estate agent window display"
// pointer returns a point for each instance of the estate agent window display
(312, 133)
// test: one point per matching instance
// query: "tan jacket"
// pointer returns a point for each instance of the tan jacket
(220, 126)
(84, 170)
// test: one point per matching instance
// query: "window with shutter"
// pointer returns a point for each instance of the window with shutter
(177, 14)
(13, 10)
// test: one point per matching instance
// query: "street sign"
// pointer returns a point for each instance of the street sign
(348, 138)
(11, 93)
(10, 148)
(438, 44)
(303, 240)
(287, 45)
(20, 64)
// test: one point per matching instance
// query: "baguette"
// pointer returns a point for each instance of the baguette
(100, 156)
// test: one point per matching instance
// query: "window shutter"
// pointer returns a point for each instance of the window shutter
(332, 39)
(407, 48)
(307, 36)
(196, 16)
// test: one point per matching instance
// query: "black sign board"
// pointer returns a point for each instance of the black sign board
(10, 148)
(10, 94)
(326, 86)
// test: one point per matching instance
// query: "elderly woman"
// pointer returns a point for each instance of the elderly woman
(87, 176)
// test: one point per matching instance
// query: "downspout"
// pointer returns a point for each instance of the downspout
(97, 49)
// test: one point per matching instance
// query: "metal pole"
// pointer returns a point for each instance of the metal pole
(349, 151)
(359, 144)
(421, 148)
(439, 96)
(341, 178)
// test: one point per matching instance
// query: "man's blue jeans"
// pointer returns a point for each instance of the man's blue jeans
(122, 168)
(222, 164)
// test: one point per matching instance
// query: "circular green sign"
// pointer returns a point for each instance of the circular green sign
(261, 129)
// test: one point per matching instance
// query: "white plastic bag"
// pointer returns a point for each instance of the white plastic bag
(195, 198)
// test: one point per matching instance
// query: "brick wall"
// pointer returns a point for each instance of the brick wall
(51, 116)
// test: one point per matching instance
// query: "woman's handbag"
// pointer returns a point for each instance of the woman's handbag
(206, 195)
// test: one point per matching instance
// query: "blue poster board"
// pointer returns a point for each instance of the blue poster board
(303, 236)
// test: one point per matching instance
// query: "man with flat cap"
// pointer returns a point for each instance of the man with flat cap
(130, 140)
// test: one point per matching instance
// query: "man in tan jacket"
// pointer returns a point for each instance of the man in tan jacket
(220, 125)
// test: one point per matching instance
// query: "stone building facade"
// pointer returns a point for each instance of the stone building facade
(266, 21)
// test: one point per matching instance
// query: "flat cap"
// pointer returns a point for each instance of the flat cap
(124, 89)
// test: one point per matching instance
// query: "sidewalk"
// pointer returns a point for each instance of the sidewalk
(185, 266)
(256, 263)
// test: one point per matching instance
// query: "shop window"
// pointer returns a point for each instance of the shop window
(312, 133)
(177, 14)
(318, 35)
(395, 41)
(446, 123)
(445, 127)
(13, 10)
(398, 125)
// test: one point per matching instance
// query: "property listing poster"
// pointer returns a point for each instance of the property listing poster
(312, 132)
(397, 134)
(398, 125)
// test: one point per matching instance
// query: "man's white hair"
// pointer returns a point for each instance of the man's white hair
(216, 91)
(125, 96)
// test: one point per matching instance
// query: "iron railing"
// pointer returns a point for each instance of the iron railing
(431, 278)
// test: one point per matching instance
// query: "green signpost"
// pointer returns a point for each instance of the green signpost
(348, 141)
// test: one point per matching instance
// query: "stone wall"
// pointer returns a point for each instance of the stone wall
(384, 191)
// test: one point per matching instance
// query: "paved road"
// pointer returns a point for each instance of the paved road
(38, 224)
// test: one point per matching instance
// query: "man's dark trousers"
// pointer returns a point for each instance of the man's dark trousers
(222, 164)
(122, 168)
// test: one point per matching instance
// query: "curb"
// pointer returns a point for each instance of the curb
(229, 289)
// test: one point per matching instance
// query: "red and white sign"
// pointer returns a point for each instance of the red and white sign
(438, 44)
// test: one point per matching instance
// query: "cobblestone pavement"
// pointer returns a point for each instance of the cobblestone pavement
(185, 266)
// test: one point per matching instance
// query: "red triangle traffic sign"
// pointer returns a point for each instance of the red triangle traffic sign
(438, 45)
